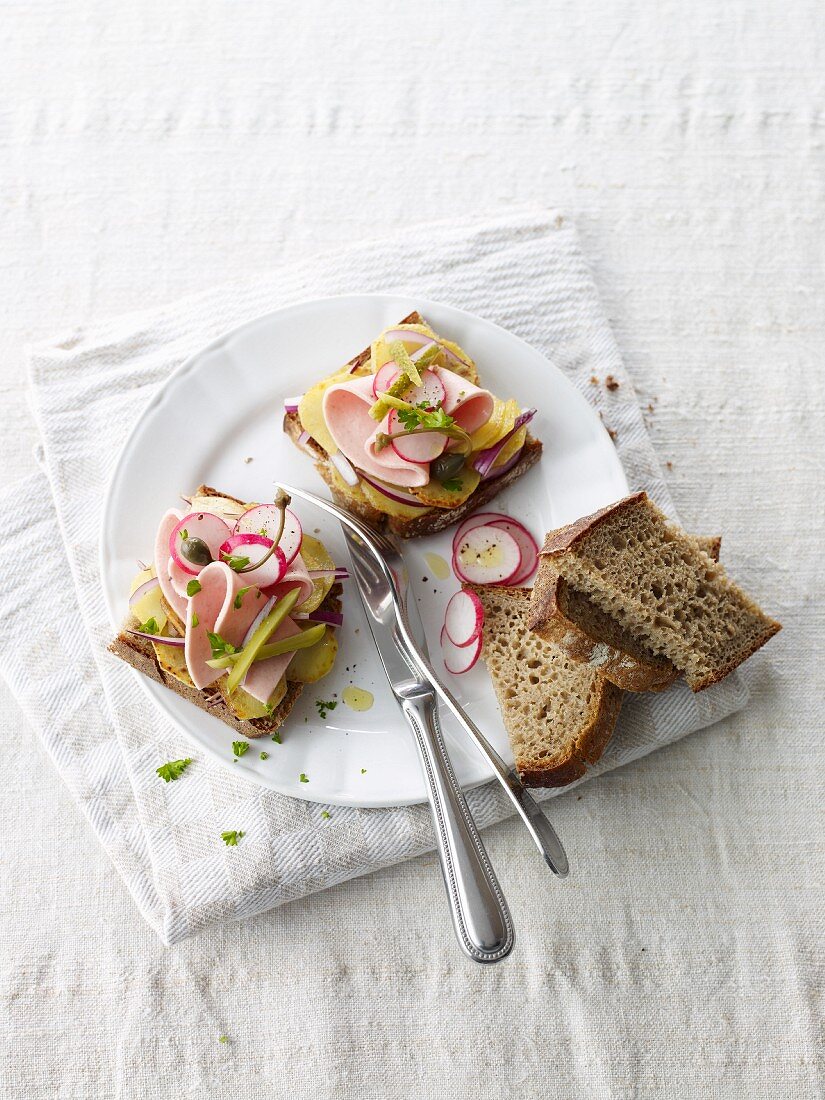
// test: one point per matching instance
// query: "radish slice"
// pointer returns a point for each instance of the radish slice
(526, 543)
(210, 528)
(459, 659)
(256, 547)
(431, 391)
(478, 519)
(421, 448)
(487, 555)
(464, 618)
(422, 342)
(384, 378)
(264, 519)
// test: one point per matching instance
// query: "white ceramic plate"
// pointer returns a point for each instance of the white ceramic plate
(222, 407)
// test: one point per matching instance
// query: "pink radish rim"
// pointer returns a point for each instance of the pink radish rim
(479, 609)
(187, 567)
(461, 574)
(473, 655)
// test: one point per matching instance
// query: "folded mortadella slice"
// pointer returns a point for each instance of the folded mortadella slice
(178, 577)
(263, 676)
(167, 525)
(296, 576)
(347, 415)
(212, 610)
(469, 405)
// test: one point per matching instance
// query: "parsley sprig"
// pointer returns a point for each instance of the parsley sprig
(421, 418)
(231, 837)
(323, 706)
(173, 769)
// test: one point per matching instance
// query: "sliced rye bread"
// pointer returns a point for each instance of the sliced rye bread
(140, 654)
(559, 713)
(659, 586)
(431, 521)
(572, 620)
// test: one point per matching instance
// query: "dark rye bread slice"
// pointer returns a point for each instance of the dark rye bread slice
(559, 713)
(653, 580)
(561, 614)
(431, 521)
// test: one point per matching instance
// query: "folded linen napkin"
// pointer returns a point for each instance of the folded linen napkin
(524, 271)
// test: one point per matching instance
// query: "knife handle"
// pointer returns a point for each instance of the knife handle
(479, 911)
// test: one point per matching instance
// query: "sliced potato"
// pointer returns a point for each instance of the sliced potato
(172, 660)
(435, 494)
(316, 556)
(387, 506)
(245, 706)
(309, 665)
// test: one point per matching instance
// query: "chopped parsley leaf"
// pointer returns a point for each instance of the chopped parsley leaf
(184, 534)
(231, 837)
(452, 484)
(239, 598)
(174, 769)
(220, 647)
(223, 1038)
(276, 737)
(303, 777)
(235, 561)
(195, 619)
(325, 814)
(363, 771)
(193, 587)
(240, 747)
(323, 707)
(264, 756)
(150, 626)
(424, 416)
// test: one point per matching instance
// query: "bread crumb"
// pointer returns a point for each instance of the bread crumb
(594, 380)
(248, 460)
(669, 465)
(611, 383)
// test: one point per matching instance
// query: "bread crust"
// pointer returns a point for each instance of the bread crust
(630, 672)
(590, 742)
(434, 519)
(565, 538)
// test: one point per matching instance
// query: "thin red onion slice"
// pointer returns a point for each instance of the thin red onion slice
(340, 573)
(143, 590)
(484, 459)
(162, 638)
(291, 403)
(392, 494)
(499, 471)
(331, 618)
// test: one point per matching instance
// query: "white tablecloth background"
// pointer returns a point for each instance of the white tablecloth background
(151, 150)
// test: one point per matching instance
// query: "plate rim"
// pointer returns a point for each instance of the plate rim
(415, 301)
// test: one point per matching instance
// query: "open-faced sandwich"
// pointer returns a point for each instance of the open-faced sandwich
(237, 611)
(406, 438)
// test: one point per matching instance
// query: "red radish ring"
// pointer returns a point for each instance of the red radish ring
(478, 519)
(210, 528)
(459, 660)
(431, 391)
(384, 378)
(420, 449)
(487, 555)
(526, 543)
(464, 618)
(256, 547)
(265, 519)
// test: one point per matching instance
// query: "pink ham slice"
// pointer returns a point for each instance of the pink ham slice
(178, 578)
(346, 412)
(175, 599)
(263, 677)
(347, 415)
(216, 613)
(296, 575)
(469, 405)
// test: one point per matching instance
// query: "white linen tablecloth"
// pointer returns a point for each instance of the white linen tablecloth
(150, 151)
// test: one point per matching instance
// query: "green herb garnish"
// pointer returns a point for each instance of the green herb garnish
(235, 561)
(276, 737)
(325, 814)
(184, 534)
(240, 747)
(174, 769)
(195, 619)
(323, 707)
(303, 777)
(220, 647)
(223, 1038)
(193, 587)
(239, 598)
(264, 756)
(150, 626)
(452, 484)
(363, 771)
(231, 837)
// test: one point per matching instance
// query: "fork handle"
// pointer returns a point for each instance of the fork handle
(480, 915)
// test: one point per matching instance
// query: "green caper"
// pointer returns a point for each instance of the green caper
(447, 466)
(196, 551)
